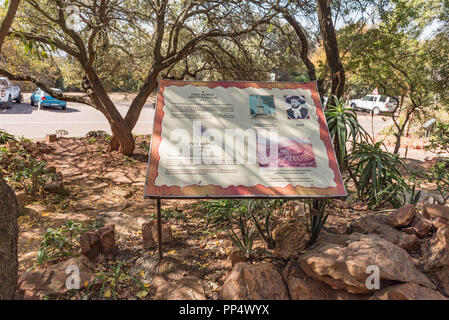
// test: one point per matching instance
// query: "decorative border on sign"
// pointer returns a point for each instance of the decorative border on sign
(213, 191)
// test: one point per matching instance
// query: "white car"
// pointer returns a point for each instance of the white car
(375, 103)
(9, 93)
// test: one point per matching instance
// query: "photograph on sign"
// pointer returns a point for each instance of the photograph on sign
(241, 139)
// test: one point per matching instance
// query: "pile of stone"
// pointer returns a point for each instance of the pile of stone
(406, 252)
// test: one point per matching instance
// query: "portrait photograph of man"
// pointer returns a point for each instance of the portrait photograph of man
(297, 107)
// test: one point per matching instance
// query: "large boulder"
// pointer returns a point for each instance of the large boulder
(303, 287)
(52, 281)
(402, 217)
(290, 239)
(435, 211)
(9, 232)
(377, 224)
(407, 291)
(344, 266)
(260, 281)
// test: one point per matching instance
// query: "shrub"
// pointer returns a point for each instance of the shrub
(5, 137)
(316, 217)
(24, 170)
(439, 143)
(249, 215)
(440, 175)
(377, 178)
(343, 127)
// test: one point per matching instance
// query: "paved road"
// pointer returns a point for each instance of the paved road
(77, 119)
(373, 125)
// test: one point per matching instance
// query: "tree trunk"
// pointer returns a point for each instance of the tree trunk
(8, 20)
(398, 142)
(331, 47)
(119, 127)
(304, 49)
(136, 106)
(9, 232)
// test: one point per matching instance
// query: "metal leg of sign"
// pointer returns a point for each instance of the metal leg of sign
(159, 227)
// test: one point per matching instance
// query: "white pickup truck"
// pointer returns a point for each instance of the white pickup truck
(374, 103)
(8, 92)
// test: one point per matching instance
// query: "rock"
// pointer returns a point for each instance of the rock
(420, 226)
(407, 291)
(260, 281)
(294, 209)
(235, 256)
(377, 224)
(150, 234)
(23, 198)
(439, 222)
(98, 241)
(187, 288)
(51, 281)
(360, 207)
(435, 211)
(41, 148)
(340, 204)
(107, 240)
(54, 186)
(167, 235)
(402, 217)
(51, 169)
(290, 239)
(147, 236)
(436, 250)
(442, 277)
(344, 266)
(49, 138)
(90, 244)
(12, 146)
(302, 287)
(57, 177)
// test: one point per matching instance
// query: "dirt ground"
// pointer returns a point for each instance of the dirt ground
(109, 187)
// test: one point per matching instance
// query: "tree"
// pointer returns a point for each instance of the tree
(9, 229)
(170, 29)
(331, 47)
(8, 20)
(389, 56)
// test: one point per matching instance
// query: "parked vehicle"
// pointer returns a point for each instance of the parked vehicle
(8, 92)
(43, 99)
(374, 103)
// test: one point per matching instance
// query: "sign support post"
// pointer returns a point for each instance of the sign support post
(159, 228)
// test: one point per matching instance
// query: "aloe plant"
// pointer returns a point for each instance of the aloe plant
(343, 127)
(378, 178)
